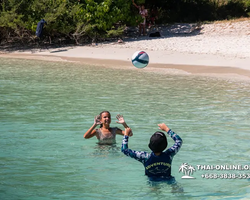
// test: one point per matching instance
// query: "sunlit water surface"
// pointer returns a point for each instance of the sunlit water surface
(46, 107)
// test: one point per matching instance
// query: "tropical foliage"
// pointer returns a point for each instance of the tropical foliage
(88, 20)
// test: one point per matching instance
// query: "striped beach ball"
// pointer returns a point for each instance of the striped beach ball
(140, 59)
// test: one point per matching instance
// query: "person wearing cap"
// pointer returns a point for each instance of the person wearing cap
(157, 163)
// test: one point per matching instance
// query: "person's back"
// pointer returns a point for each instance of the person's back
(159, 166)
(158, 163)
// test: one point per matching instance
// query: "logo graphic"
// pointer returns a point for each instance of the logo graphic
(187, 170)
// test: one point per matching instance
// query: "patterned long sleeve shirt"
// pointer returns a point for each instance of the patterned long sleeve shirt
(155, 166)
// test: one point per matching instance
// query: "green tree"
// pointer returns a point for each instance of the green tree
(97, 19)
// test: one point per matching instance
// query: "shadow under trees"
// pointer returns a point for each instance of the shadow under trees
(82, 22)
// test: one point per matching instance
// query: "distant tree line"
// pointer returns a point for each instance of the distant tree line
(88, 20)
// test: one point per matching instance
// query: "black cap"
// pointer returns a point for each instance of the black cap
(158, 142)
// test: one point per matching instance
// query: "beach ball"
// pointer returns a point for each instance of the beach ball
(140, 59)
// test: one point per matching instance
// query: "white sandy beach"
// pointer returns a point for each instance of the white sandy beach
(218, 48)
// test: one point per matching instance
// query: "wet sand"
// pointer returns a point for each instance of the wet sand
(193, 68)
(219, 50)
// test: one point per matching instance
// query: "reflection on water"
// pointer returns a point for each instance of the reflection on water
(46, 107)
(106, 150)
(157, 185)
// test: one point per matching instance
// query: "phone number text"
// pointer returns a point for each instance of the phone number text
(225, 176)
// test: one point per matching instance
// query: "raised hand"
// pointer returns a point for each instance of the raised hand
(128, 132)
(120, 119)
(97, 120)
(163, 127)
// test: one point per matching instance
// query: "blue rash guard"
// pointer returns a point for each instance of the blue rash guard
(155, 166)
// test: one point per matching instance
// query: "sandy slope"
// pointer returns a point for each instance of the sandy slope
(221, 48)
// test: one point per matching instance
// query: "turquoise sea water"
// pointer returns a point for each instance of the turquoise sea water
(45, 108)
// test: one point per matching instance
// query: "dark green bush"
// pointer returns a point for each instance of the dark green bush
(95, 19)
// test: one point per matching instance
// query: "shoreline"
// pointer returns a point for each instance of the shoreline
(170, 64)
(218, 50)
